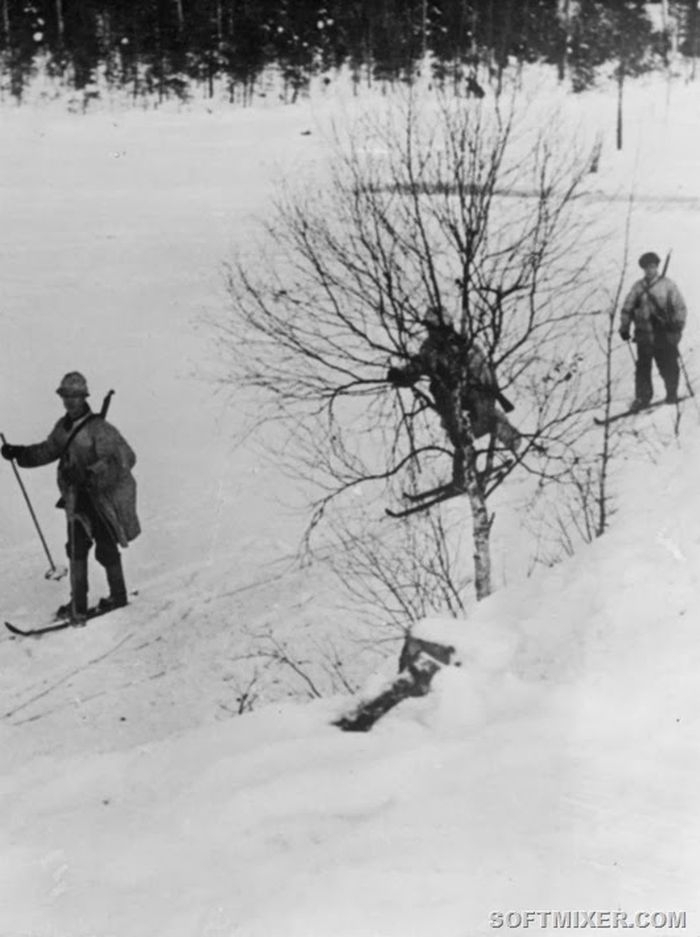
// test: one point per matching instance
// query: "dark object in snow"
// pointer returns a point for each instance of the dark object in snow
(634, 411)
(59, 625)
(419, 662)
(413, 647)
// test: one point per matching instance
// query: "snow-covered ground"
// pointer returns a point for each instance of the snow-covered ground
(556, 769)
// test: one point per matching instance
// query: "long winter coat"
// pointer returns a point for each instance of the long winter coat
(657, 310)
(99, 461)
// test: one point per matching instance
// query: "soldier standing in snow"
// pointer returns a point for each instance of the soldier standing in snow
(658, 311)
(98, 492)
(461, 379)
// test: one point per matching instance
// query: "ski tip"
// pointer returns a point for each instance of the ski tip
(36, 632)
(14, 630)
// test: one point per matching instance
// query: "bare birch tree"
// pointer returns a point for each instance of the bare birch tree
(461, 209)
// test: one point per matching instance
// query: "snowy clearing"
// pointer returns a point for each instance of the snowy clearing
(556, 769)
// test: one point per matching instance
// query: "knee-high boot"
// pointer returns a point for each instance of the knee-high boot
(117, 586)
(79, 588)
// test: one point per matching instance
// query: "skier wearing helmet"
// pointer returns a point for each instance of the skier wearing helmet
(98, 492)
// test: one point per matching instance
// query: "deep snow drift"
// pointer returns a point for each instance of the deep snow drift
(556, 769)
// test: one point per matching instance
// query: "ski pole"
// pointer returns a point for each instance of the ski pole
(685, 375)
(55, 572)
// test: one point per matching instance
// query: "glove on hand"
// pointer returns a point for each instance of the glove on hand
(625, 334)
(11, 452)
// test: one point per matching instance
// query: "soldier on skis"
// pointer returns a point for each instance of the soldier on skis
(98, 492)
(658, 311)
(461, 380)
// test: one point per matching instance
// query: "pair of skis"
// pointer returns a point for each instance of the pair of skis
(424, 500)
(59, 624)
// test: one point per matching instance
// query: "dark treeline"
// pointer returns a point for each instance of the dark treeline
(166, 47)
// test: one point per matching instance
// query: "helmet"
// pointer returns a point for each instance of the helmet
(436, 317)
(73, 384)
(649, 258)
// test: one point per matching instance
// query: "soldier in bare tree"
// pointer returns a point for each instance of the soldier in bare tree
(462, 380)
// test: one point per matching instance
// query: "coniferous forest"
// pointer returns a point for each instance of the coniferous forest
(166, 48)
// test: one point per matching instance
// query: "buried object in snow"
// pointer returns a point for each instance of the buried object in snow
(420, 660)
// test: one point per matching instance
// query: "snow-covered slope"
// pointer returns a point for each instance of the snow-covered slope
(556, 769)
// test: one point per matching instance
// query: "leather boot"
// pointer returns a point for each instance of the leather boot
(79, 590)
(117, 587)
